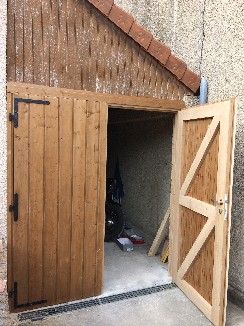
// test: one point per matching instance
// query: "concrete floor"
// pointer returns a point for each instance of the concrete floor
(167, 308)
(134, 270)
(130, 271)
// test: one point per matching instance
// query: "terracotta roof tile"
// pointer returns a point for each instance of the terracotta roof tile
(159, 51)
(191, 80)
(143, 37)
(176, 66)
(140, 35)
(121, 18)
(103, 5)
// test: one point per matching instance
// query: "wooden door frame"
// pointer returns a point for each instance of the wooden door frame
(110, 100)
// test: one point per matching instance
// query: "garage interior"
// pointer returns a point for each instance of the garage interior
(141, 141)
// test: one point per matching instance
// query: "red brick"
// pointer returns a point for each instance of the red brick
(103, 5)
(191, 80)
(176, 66)
(159, 51)
(121, 18)
(141, 35)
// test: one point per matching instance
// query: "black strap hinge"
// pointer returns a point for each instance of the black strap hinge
(15, 207)
(15, 116)
(14, 294)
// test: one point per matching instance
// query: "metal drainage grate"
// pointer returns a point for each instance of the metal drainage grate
(46, 312)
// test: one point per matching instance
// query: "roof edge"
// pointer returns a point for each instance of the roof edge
(145, 39)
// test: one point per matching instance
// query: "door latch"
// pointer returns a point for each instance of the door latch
(221, 202)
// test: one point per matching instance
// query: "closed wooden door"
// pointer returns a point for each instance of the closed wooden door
(201, 205)
(57, 197)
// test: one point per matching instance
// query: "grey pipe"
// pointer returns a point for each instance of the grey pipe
(203, 97)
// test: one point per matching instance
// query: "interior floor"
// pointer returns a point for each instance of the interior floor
(134, 270)
(139, 155)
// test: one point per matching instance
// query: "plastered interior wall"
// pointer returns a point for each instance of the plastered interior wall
(208, 36)
(144, 149)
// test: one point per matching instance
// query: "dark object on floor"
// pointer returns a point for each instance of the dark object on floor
(114, 216)
(114, 221)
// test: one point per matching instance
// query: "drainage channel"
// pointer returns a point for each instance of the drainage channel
(47, 312)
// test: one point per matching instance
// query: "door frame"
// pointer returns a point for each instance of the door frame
(110, 101)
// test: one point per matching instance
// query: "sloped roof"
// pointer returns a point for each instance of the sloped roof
(143, 37)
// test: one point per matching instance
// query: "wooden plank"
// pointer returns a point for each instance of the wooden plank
(198, 244)
(172, 222)
(91, 198)
(37, 41)
(208, 110)
(10, 192)
(46, 36)
(36, 199)
(195, 297)
(160, 234)
(220, 225)
(113, 100)
(177, 161)
(231, 149)
(20, 228)
(28, 41)
(19, 41)
(71, 44)
(101, 197)
(11, 58)
(53, 44)
(201, 154)
(198, 206)
(78, 201)
(50, 222)
(65, 198)
(79, 35)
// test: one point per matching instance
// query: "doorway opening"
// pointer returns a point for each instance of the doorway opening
(139, 149)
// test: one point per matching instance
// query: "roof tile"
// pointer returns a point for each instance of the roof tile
(103, 5)
(121, 18)
(176, 66)
(191, 80)
(159, 51)
(141, 35)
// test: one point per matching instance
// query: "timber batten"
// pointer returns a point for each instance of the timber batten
(113, 100)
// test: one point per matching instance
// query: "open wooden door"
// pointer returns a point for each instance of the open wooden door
(56, 193)
(201, 205)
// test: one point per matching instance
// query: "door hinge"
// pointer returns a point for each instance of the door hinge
(14, 294)
(15, 207)
(14, 117)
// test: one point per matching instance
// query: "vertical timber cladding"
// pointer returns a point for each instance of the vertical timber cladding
(69, 44)
(59, 175)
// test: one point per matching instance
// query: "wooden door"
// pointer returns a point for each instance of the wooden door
(201, 205)
(57, 194)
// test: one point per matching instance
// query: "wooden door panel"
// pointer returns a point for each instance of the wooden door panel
(201, 179)
(51, 177)
(20, 227)
(59, 151)
(78, 203)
